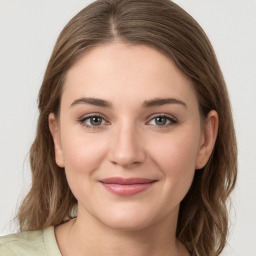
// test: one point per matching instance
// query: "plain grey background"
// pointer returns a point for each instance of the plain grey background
(28, 31)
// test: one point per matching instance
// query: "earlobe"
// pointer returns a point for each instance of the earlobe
(209, 135)
(55, 132)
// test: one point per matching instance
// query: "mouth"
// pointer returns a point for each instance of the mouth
(127, 186)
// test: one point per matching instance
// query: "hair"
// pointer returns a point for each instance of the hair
(161, 24)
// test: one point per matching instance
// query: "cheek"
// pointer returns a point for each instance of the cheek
(175, 156)
(177, 151)
(82, 157)
(82, 153)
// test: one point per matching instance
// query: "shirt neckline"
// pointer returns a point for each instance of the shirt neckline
(51, 242)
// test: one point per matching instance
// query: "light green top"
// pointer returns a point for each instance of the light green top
(31, 243)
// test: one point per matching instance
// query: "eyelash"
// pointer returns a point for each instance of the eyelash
(170, 119)
(83, 120)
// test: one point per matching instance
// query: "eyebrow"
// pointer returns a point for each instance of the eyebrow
(146, 104)
(92, 101)
(160, 102)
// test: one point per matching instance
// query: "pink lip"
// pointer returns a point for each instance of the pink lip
(127, 187)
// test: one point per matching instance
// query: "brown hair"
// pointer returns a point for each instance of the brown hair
(203, 221)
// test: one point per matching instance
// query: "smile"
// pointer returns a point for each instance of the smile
(127, 187)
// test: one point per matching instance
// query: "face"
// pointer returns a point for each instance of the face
(129, 135)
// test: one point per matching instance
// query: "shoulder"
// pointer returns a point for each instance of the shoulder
(29, 243)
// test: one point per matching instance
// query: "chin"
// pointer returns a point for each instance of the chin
(127, 220)
(126, 224)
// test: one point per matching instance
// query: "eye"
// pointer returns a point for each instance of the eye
(162, 120)
(93, 121)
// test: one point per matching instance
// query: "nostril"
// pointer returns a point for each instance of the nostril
(127, 149)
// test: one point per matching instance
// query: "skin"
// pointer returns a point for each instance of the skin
(128, 142)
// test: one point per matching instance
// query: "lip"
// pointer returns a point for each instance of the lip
(127, 186)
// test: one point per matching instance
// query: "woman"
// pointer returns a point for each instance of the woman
(135, 152)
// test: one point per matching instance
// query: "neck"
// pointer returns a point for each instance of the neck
(87, 236)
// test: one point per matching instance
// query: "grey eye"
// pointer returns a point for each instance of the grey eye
(161, 120)
(94, 121)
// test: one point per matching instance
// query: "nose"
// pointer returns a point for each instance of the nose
(127, 147)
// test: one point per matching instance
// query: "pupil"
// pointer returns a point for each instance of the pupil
(96, 120)
(160, 120)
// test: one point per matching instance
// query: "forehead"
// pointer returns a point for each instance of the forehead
(120, 71)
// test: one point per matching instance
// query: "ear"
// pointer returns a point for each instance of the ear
(208, 139)
(55, 131)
